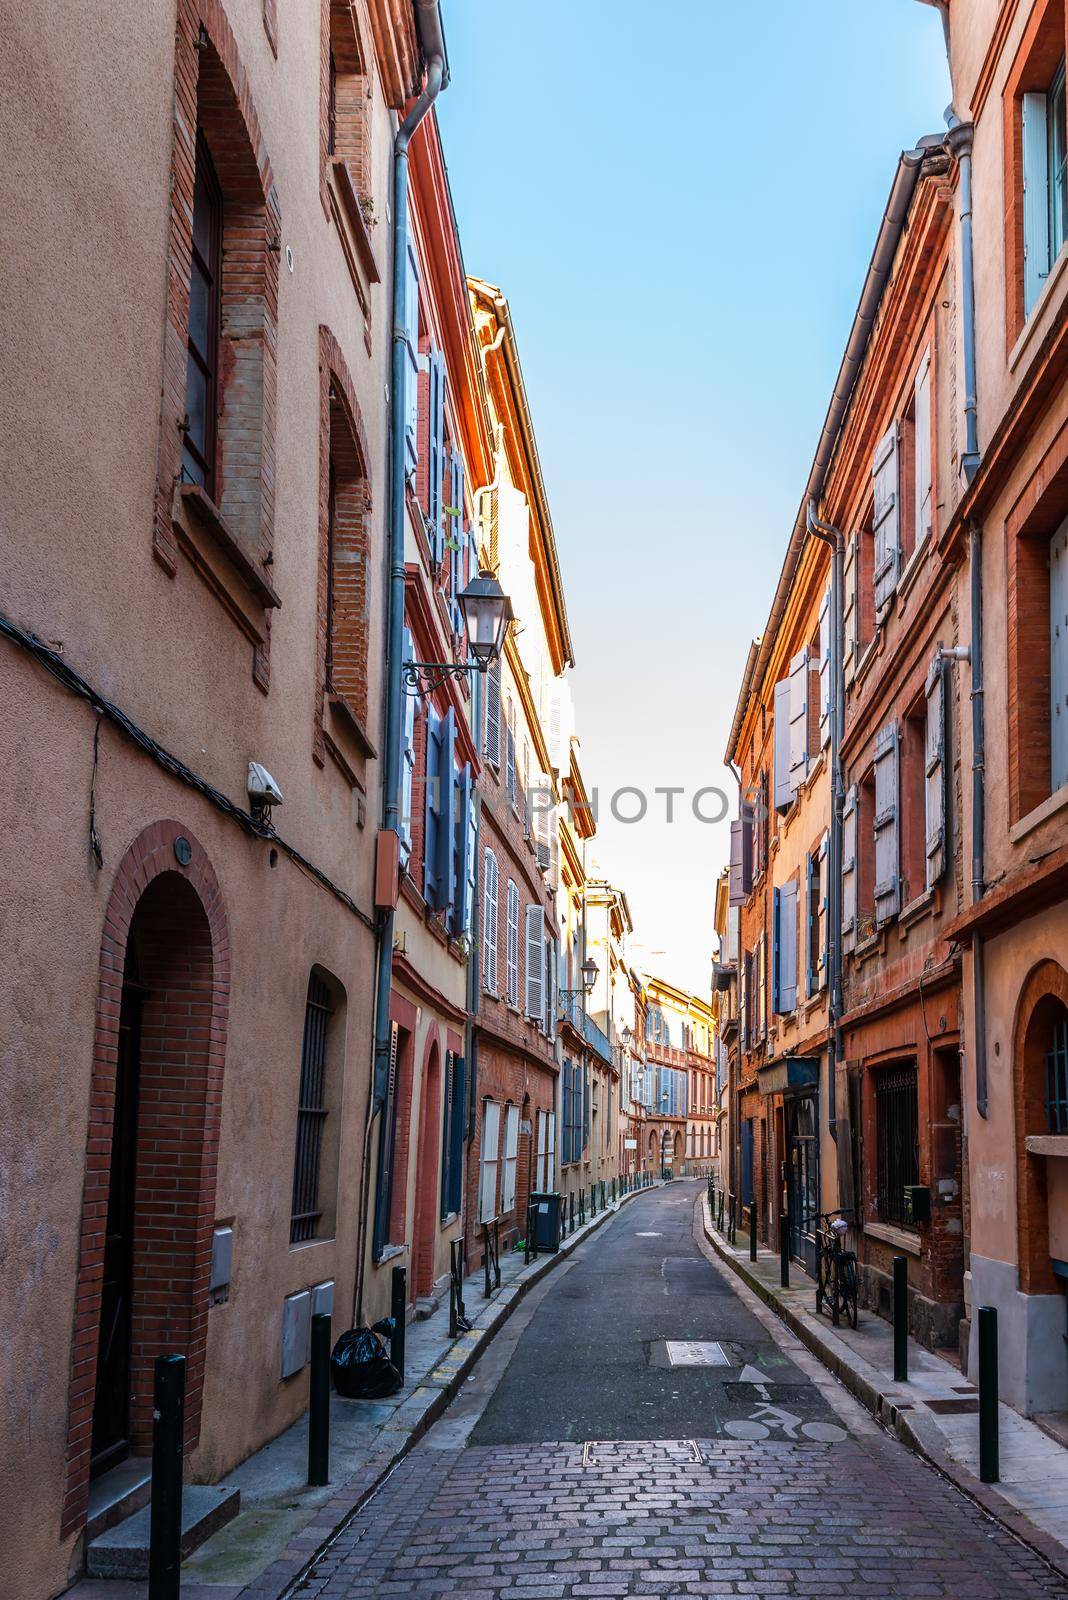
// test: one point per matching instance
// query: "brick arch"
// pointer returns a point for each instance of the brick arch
(427, 1172)
(211, 86)
(1043, 998)
(182, 923)
(343, 608)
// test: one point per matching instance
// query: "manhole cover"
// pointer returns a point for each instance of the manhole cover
(696, 1353)
(599, 1452)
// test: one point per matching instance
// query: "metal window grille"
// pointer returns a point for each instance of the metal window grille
(1057, 1078)
(897, 1124)
(311, 1113)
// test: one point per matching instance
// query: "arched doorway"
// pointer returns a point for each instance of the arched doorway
(149, 1195)
(1041, 1094)
(428, 1185)
(654, 1150)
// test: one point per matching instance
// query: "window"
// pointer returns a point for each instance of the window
(411, 713)
(897, 1148)
(315, 1160)
(489, 921)
(816, 919)
(512, 952)
(511, 1158)
(1038, 645)
(509, 757)
(452, 1136)
(1057, 1078)
(439, 836)
(201, 394)
(489, 1161)
(784, 976)
(1058, 657)
(346, 114)
(344, 621)
(491, 742)
(1045, 194)
(546, 1151)
(535, 964)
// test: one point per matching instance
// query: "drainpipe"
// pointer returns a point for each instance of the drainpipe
(432, 42)
(975, 559)
(836, 713)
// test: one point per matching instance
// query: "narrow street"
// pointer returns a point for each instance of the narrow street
(590, 1455)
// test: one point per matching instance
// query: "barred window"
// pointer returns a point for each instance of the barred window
(315, 1160)
(897, 1139)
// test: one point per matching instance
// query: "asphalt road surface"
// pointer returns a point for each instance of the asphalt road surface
(642, 1426)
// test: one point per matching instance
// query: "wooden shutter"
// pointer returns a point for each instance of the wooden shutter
(736, 896)
(411, 705)
(471, 856)
(541, 1136)
(824, 924)
(493, 714)
(785, 934)
(1035, 197)
(512, 945)
(445, 878)
(922, 454)
(491, 1128)
(887, 809)
(850, 609)
(489, 921)
(798, 719)
(886, 519)
(432, 810)
(436, 456)
(511, 1154)
(849, 869)
(446, 1138)
(535, 960)
(761, 1022)
(411, 346)
(743, 999)
(509, 754)
(550, 1152)
(459, 920)
(812, 921)
(935, 768)
(825, 667)
(1058, 657)
(783, 787)
(456, 1134)
(551, 959)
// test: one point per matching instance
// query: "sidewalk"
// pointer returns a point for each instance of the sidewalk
(935, 1412)
(283, 1523)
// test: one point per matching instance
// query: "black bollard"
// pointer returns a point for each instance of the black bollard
(752, 1231)
(784, 1250)
(165, 1514)
(721, 1211)
(398, 1305)
(901, 1319)
(319, 1402)
(989, 1464)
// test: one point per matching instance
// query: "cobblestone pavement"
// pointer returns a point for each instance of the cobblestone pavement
(609, 1515)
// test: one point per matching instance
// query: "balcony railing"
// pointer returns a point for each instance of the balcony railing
(573, 1011)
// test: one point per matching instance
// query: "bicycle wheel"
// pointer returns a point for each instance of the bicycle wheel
(850, 1288)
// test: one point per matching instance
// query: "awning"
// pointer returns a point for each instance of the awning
(791, 1075)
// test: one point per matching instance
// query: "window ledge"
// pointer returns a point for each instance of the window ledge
(211, 520)
(923, 905)
(899, 1237)
(341, 707)
(357, 221)
(913, 567)
(1037, 312)
(1057, 801)
(390, 1253)
(1047, 1144)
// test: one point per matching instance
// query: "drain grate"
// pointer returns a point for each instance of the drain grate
(603, 1452)
(953, 1408)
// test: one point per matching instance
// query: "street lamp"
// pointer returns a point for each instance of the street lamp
(487, 612)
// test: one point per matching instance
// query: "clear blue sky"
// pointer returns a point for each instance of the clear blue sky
(680, 201)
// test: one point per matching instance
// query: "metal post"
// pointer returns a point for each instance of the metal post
(721, 1211)
(165, 1514)
(901, 1319)
(784, 1250)
(989, 1465)
(319, 1402)
(752, 1231)
(398, 1303)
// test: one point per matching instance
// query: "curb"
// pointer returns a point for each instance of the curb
(420, 1411)
(865, 1384)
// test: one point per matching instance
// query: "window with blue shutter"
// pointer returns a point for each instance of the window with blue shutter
(432, 809)
(492, 739)
(886, 518)
(439, 851)
(411, 707)
(585, 1133)
(783, 789)
(823, 922)
(799, 673)
(1036, 196)
(887, 831)
(812, 922)
(411, 349)
(935, 772)
(849, 868)
(784, 965)
(452, 1136)
(465, 835)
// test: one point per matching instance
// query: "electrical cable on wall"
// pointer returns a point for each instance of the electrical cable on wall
(53, 663)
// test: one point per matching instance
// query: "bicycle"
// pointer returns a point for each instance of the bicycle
(837, 1283)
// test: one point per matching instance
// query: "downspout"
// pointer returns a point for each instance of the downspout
(431, 38)
(836, 714)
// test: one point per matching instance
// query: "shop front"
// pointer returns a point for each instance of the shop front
(791, 1086)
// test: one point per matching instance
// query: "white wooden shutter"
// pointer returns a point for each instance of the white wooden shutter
(493, 714)
(535, 986)
(551, 959)
(783, 787)
(935, 767)
(798, 719)
(509, 754)
(1035, 197)
(511, 1155)
(786, 950)
(411, 706)
(542, 806)
(489, 921)
(491, 1128)
(886, 519)
(512, 945)
(849, 869)
(821, 913)
(850, 609)
(542, 1137)
(735, 896)
(887, 808)
(549, 1177)
(825, 667)
(1058, 657)
(922, 454)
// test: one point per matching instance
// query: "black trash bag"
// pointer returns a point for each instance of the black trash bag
(361, 1366)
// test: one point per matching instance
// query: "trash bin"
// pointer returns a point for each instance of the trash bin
(545, 1216)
